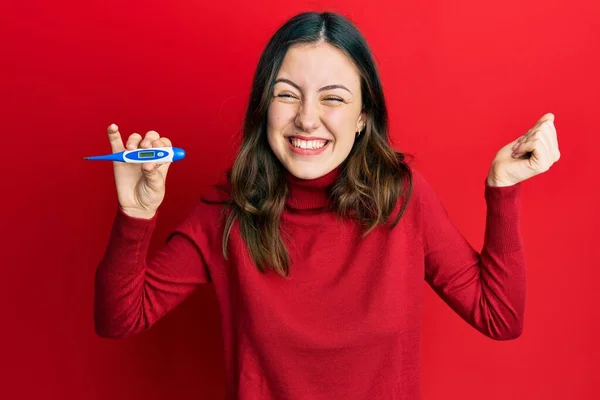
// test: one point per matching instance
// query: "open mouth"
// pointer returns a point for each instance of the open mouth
(313, 144)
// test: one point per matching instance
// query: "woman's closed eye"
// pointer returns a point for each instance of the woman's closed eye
(290, 96)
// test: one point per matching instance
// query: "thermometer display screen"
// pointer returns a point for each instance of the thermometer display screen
(146, 154)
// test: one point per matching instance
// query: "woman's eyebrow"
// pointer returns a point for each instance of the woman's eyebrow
(328, 87)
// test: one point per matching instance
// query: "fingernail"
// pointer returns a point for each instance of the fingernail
(515, 146)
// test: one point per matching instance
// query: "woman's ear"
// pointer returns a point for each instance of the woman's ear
(362, 122)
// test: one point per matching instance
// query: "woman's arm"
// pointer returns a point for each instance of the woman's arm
(486, 289)
(133, 291)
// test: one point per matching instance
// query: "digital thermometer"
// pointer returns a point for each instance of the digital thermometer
(153, 154)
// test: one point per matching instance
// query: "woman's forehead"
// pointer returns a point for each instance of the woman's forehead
(318, 64)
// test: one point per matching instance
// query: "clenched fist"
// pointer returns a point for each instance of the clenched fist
(529, 155)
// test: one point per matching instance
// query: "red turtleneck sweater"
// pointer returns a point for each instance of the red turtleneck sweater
(347, 322)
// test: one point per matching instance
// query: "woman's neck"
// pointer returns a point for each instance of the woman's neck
(307, 194)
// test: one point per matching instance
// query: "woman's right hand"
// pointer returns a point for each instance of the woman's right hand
(140, 187)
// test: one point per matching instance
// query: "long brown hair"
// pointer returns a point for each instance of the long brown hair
(371, 179)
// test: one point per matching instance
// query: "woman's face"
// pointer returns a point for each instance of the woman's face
(315, 111)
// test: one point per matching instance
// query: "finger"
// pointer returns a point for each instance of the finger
(532, 133)
(163, 168)
(544, 118)
(114, 137)
(547, 117)
(152, 175)
(166, 142)
(133, 141)
(523, 148)
(546, 122)
(533, 144)
(513, 145)
(149, 138)
(552, 136)
(148, 167)
(537, 153)
(162, 142)
(547, 133)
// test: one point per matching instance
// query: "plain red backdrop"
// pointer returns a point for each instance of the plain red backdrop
(462, 79)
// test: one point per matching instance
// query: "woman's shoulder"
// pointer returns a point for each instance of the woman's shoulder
(417, 191)
(420, 185)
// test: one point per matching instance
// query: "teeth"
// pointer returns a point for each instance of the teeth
(308, 144)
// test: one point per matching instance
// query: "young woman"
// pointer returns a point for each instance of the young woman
(318, 243)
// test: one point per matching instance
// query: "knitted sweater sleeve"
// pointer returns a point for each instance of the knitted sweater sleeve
(487, 288)
(132, 289)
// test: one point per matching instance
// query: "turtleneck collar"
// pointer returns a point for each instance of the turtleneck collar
(309, 194)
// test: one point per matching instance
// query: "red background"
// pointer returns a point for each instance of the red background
(462, 79)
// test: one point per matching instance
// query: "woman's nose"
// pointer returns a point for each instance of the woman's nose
(308, 118)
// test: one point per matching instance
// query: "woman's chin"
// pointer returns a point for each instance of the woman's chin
(309, 171)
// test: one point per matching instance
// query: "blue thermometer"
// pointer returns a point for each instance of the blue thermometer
(153, 154)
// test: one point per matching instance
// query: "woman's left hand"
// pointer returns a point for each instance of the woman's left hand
(528, 156)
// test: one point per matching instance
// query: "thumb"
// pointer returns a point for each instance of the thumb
(547, 117)
(152, 175)
(512, 145)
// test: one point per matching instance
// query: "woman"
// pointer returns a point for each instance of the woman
(318, 243)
